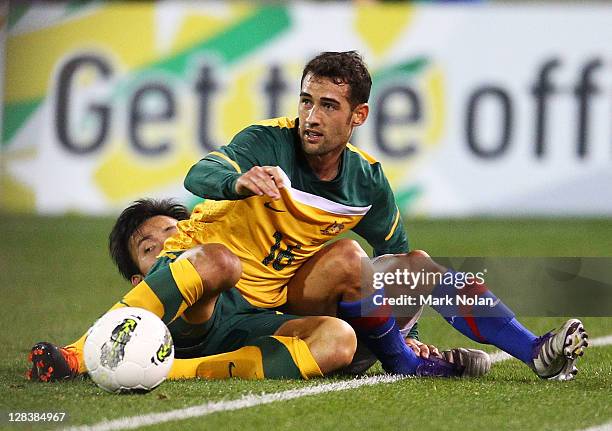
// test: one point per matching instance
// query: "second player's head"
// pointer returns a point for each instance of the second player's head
(139, 233)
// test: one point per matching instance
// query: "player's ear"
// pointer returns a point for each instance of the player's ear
(136, 278)
(360, 114)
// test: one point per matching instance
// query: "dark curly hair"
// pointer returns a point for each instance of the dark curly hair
(129, 221)
(343, 67)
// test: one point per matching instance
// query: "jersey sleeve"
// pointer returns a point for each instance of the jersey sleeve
(382, 226)
(413, 332)
(215, 176)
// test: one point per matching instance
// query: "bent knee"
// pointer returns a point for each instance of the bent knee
(216, 264)
(343, 338)
(420, 260)
(345, 258)
(348, 250)
(419, 253)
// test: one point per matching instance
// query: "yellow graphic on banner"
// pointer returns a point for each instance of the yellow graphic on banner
(103, 31)
(196, 26)
(122, 175)
(380, 25)
(20, 197)
(240, 106)
(407, 142)
(183, 80)
(434, 86)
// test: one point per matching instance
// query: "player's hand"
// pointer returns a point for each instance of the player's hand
(260, 181)
(421, 349)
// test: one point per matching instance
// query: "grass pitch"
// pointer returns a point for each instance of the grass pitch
(56, 278)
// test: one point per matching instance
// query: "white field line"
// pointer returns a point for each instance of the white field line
(132, 422)
(602, 427)
(241, 403)
(602, 341)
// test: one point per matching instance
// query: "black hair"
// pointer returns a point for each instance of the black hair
(129, 221)
(343, 67)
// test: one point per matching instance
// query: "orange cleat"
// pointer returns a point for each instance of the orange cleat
(50, 362)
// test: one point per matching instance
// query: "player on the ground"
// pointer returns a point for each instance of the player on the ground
(211, 323)
(136, 240)
(282, 188)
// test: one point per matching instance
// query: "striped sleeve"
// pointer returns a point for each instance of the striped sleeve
(382, 226)
(215, 176)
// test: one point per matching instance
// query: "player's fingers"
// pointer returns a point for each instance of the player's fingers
(270, 180)
(276, 173)
(265, 182)
(424, 351)
(246, 186)
(258, 182)
(433, 351)
(415, 348)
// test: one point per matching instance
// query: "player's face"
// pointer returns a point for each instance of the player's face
(147, 242)
(326, 116)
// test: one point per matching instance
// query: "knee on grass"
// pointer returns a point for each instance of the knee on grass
(341, 340)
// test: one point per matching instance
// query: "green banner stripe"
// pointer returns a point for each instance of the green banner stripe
(406, 197)
(15, 114)
(265, 24)
(16, 11)
(409, 68)
(74, 6)
(249, 34)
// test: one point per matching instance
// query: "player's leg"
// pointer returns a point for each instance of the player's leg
(335, 281)
(330, 341)
(337, 273)
(490, 321)
(260, 343)
(178, 282)
(332, 275)
(192, 279)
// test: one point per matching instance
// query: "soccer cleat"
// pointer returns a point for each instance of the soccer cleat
(556, 352)
(472, 362)
(50, 362)
(437, 367)
(469, 362)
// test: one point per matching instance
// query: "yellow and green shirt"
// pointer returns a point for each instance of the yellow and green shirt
(273, 238)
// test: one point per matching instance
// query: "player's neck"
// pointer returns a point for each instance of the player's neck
(325, 166)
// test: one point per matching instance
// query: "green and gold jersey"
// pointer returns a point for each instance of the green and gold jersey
(274, 238)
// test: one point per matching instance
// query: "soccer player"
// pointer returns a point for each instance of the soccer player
(216, 332)
(135, 241)
(283, 187)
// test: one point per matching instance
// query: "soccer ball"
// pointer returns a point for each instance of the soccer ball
(128, 350)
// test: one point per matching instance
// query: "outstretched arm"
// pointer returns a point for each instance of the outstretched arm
(242, 168)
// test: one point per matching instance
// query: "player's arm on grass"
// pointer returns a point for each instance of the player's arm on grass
(242, 168)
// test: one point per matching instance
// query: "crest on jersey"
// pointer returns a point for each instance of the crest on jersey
(333, 229)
